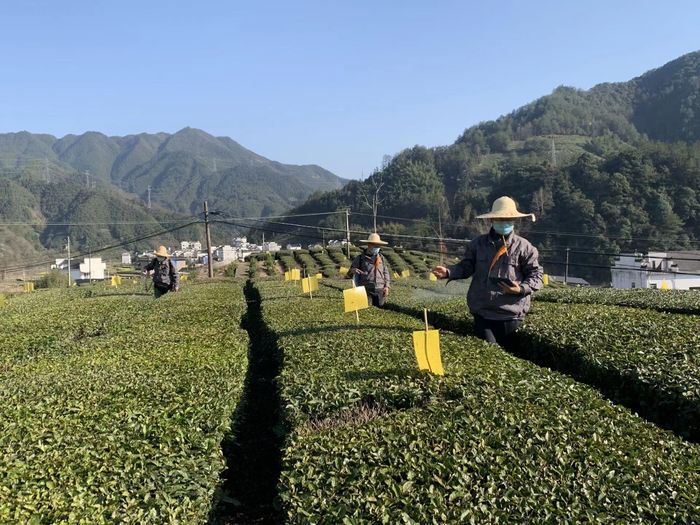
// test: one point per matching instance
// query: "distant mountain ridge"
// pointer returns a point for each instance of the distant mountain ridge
(182, 169)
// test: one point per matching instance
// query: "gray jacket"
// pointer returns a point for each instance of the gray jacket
(373, 278)
(164, 274)
(485, 297)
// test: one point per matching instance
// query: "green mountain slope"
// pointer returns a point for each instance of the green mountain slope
(182, 169)
(613, 168)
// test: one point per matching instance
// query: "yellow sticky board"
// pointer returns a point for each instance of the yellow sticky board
(427, 347)
(28, 287)
(432, 277)
(355, 299)
(310, 284)
(396, 275)
(664, 285)
(319, 276)
(405, 273)
(287, 276)
(545, 280)
(343, 270)
(183, 278)
(296, 274)
(114, 280)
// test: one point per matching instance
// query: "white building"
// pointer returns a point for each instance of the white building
(294, 246)
(126, 258)
(226, 253)
(92, 268)
(271, 246)
(240, 242)
(194, 246)
(664, 270)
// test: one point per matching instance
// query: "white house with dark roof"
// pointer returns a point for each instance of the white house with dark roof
(678, 270)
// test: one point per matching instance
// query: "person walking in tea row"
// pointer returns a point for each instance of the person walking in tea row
(505, 270)
(369, 269)
(165, 276)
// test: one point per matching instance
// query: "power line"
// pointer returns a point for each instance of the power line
(104, 248)
(115, 223)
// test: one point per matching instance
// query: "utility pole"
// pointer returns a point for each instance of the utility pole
(68, 245)
(566, 272)
(46, 169)
(89, 264)
(206, 228)
(87, 179)
(149, 196)
(347, 229)
(554, 153)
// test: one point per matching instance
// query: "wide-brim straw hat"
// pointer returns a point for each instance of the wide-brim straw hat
(373, 239)
(162, 252)
(505, 208)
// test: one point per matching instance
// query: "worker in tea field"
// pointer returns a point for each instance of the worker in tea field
(369, 269)
(165, 276)
(505, 270)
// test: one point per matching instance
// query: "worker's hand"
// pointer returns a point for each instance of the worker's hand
(386, 292)
(440, 272)
(357, 271)
(511, 290)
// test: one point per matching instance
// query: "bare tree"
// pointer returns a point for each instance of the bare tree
(372, 200)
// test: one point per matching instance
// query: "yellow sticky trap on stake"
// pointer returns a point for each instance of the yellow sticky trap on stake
(664, 285)
(114, 281)
(355, 299)
(343, 270)
(296, 274)
(431, 277)
(405, 273)
(545, 280)
(309, 285)
(396, 275)
(426, 344)
(287, 276)
(28, 287)
(319, 276)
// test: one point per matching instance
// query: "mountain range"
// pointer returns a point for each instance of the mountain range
(615, 167)
(145, 178)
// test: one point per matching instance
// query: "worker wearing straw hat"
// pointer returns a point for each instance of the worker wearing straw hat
(505, 270)
(165, 276)
(369, 270)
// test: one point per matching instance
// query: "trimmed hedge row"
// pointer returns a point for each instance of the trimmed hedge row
(495, 440)
(642, 358)
(306, 261)
(395, 260)
(672, 301)
(125, 423)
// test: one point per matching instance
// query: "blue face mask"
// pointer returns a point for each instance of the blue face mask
(375, 251)
(503, 228)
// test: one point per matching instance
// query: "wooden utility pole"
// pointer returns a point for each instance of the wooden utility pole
(206, 227)
(68, 245)
(566, 271)
(347, 230)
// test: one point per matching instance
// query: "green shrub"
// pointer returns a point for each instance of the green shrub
(53, 279)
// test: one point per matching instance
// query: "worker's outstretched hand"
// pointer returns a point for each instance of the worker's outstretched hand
(440, 272)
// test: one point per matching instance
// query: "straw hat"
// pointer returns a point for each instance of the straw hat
(374, 239)
(162, 252)
(504, 208)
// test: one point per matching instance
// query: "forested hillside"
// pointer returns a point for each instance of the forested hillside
(613, 168)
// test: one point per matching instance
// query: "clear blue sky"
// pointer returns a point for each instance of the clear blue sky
(333, 83)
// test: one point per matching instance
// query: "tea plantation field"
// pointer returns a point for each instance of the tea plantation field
(116, 408)
(113, 406)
